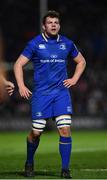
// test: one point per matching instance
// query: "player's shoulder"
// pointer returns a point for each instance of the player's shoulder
(36, 40)
(66, 40)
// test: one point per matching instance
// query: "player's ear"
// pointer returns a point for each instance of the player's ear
(43, 27)
(59, 27)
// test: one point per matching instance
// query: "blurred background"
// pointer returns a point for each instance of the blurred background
(85, 22)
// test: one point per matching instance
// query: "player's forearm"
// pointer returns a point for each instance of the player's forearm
(2, 74)
(18, 71)
(80, 67)
(2, 78)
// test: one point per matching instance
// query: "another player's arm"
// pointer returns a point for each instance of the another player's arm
(18, 70)
(8, 85)
(81, 64)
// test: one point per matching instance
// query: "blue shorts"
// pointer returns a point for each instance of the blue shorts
(50, 105)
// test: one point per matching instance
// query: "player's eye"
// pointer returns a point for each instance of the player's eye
(49, 22)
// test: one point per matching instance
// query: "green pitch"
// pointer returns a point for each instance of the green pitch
(88, 161)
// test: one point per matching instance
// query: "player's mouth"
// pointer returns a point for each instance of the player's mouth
(53, 30)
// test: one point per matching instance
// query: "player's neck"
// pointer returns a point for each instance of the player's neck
(49, 36)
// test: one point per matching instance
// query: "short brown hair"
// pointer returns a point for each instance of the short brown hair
(52, 14)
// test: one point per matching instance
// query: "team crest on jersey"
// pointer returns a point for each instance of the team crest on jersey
(62, 46)
(42, 46)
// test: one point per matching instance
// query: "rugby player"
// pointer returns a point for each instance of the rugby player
(50, 97)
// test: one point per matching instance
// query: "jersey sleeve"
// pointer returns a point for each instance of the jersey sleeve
(74, 51)
(28, 50)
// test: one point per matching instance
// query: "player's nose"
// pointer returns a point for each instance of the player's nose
(53, 25)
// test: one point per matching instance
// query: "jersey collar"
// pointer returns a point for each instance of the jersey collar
(46, 39)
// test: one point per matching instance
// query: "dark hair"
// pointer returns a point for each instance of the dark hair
(52, 14)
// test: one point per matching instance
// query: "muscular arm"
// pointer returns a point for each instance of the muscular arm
(80, 66)
(18, 70)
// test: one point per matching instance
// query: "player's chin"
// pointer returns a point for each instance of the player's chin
(54, 33)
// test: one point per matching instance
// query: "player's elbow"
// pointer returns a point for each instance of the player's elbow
(17, 66)
(20, 63)
(83, 62)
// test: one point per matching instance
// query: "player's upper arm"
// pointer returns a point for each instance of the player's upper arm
(29, 50)
(21, 61)
(79, 59)
(76, 55)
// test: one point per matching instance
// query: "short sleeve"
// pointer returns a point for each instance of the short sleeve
(74, 51)
(28, 50)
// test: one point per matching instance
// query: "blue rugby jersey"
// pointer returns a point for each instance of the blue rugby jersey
(49, 57)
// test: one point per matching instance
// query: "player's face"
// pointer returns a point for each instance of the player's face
(52, 26)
